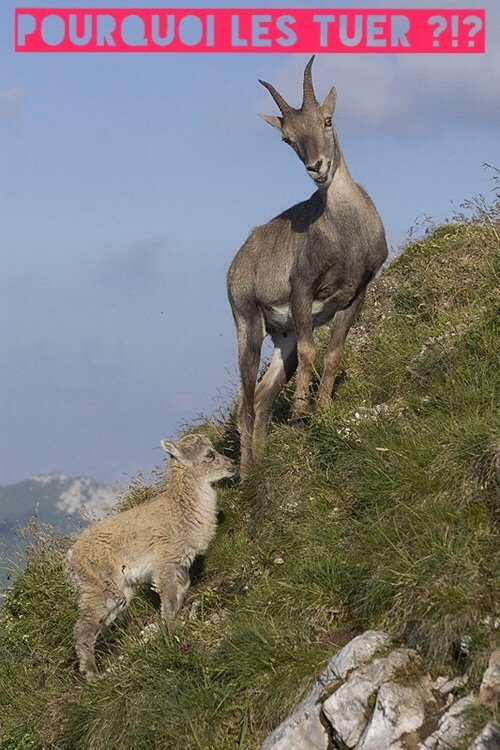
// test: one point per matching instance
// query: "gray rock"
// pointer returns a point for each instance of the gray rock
(303, 729)
(452, 728)
(358, 651)
(489, 739)
(439, 682)
(347, 709)
(454, 684)
(399, 710)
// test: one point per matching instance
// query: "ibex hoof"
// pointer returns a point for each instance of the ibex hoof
(323, 404)
(90, 675)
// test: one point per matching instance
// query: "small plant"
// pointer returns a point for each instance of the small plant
(481, 208)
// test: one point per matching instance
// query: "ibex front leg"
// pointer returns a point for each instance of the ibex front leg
(342, 322)
(306, 348)
(171, 590)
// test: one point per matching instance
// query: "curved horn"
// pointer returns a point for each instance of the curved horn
(309, 96)
(284, 107)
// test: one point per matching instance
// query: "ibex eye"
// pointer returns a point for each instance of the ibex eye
(210, 456)
(328, 122)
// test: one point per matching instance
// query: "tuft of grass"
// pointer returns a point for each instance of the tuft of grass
(383, 513)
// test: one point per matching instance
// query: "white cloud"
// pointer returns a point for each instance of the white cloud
(417, 92)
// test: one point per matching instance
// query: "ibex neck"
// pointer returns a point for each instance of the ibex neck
(190, 491)
(342, 184)
(180, 476)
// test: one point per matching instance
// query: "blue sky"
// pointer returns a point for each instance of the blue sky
(127, 184)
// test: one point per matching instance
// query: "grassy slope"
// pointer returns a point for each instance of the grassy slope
(381, 514)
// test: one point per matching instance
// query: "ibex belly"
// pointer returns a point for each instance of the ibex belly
(279, 317)
(138, 570)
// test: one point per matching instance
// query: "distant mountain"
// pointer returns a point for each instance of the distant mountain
(51, 497)
(64, 502)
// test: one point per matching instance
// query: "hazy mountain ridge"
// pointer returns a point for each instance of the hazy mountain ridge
(52, 497)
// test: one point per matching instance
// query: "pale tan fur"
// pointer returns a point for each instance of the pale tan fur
(155, 541)
(489, 692)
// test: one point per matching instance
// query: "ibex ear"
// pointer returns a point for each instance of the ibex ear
(175, 452)
(276, 122)
(172, 449)
(329, 104)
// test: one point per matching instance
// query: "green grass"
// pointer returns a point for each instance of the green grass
(384, 513)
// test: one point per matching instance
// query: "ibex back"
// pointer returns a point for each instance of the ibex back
(307, 267)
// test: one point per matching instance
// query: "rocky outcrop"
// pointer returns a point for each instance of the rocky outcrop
(362, 701)
(306, 728)
(489, 739)
(348, 709)
(399, 710)
(452, 727)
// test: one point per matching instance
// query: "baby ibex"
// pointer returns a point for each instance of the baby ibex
(307, 267)
(155, 541)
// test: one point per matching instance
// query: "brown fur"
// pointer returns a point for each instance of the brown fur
(489, 692)
(156, 541)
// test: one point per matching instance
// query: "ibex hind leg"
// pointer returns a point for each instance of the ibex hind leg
(281, 368)
(97, 609)
(250, 331)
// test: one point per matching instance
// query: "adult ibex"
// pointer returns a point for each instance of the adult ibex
(308, 266)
